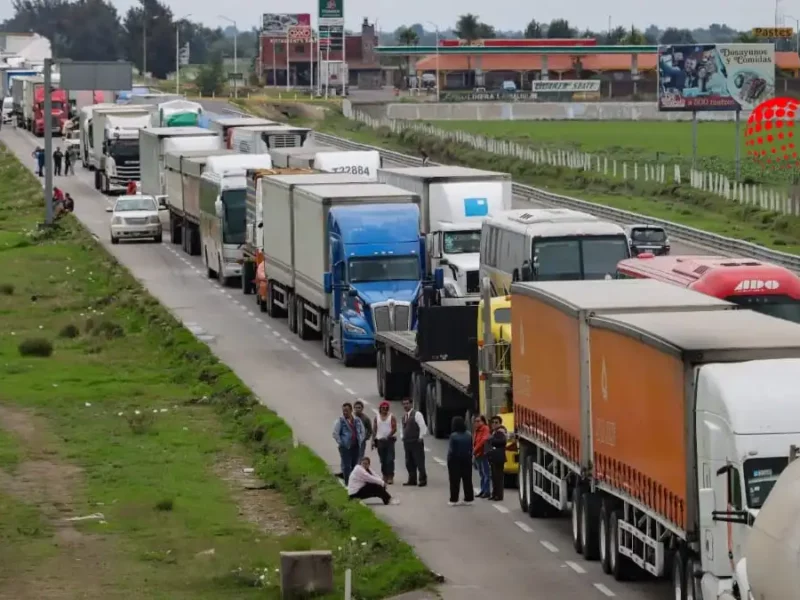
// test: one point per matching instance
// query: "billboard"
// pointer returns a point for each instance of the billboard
(565, 85)
(278, 24)
(705, 77)
(331, 12)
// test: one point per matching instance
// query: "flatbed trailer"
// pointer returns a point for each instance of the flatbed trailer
(435, 366)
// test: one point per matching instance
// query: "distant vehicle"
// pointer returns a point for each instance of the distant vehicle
(750, 283)
(652, 239)
(135, 217)
(8, 109)
(509, 87)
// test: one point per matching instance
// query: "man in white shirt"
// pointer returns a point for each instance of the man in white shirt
(363, 484)
(412, 433)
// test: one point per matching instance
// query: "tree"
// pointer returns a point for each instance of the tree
(560, 29)
(211, 77)
(534, 30)
(153, 22)
(406, 36)
(468, 28)
(747, 37)
(672, 35)
(634, 37)
(615, 36)
(486, 32)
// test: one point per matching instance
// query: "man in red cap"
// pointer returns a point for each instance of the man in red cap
(384, 436)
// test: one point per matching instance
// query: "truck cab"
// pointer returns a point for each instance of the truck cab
(118, 149)
(376, 261)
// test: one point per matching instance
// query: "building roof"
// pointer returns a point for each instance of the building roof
(788, 61)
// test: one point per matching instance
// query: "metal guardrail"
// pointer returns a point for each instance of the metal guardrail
(717, 243)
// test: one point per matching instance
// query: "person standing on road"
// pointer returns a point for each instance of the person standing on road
(348, 431)
(414, 430)
(130, 189)
(384, 437)
(497, 457)
(459, 462)
(58, 156)
(479, 451)
(68, 162)
(364, 484)
(367, 423)
(38, 154)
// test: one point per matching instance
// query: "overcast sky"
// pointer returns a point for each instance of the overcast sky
(503, 14)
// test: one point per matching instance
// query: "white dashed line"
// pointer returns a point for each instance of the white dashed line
(315, 364)
(364, 402)
(284, 340)
(326, 373)
(338, 382)
(295, 348)
(250, 313)
(237, 303)
(604, 590)
(349, 391)
(549, 546)
(439, 461)
(428, 449)
(524, 526)
(268, 326)
(276, 333)
(500, 508)
(576, 567)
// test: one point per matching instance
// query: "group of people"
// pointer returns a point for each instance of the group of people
(60, 159)
(62, 203)
(484, 447)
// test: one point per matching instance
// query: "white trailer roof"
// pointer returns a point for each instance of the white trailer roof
(709, 336)
(320, 178)
(241, 121)
(448, 172)
(618, 295)
(179, 131)
(354, 190)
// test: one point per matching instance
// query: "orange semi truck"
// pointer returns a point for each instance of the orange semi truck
(659, 420)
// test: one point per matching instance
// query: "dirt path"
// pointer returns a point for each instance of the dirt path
(70, 564)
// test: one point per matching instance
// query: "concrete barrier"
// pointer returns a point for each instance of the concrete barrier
(544, 111)
(304, 573)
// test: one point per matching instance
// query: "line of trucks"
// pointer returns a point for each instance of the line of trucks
(658, 418)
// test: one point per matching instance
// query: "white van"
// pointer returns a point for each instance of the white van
(8, 108)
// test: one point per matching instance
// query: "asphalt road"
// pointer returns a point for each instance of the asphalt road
(488, 549)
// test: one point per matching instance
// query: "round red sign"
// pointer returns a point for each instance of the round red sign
(770, 134)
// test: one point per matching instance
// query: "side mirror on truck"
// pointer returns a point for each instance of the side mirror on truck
(218, 208)
(527, 271)
(327, 282)
(438, 279)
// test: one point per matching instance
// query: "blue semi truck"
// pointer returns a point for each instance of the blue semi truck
(342, 262)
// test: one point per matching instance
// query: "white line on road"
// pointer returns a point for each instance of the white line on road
(549, 546)
(576, 567)
(315, 364)
(326, 373)
(338, 382)
(500, 508)
(284, 340)
(304, 355)
(268, 326)
(439, 461)
(349, 391)
(276, 333)
(524, 526)
(250, 313)
(604, 590)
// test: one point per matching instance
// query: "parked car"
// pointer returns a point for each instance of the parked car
(135, 217)
(651, 239)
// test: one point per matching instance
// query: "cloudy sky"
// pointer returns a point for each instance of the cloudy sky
(503, 14)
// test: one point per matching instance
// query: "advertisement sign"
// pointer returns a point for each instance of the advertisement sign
(565, 85)
(773, 32)
(705, 77)
(278, 24)
(331, 12)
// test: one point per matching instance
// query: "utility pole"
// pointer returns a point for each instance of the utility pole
(48, 141)
(144, 42)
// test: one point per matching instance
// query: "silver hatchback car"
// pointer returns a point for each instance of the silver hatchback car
(135, 217)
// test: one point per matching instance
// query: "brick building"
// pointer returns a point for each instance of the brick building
(363, 62)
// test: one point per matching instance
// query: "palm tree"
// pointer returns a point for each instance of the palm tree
(406, 36)
(469, 29)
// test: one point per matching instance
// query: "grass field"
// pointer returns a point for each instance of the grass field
(113, 413)
(630, 141)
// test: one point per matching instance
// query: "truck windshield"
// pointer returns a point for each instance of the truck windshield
(384, 268)
(462, 242)
(760, 475)
(566, 259)
(781, 307)
(233, 231)
(124, 148)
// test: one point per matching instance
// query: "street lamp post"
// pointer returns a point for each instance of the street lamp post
(796, 31)
(235, 53)
(178, 53)
(438, 56)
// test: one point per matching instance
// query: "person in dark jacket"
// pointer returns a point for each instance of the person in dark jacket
(348, 432)
(38, 154)
(358, 407)
(459, 462)
(497, 457)
(58, 156)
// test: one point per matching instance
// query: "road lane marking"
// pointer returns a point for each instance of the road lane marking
(326, 373)
(304, 355)
(604, 590)
(315, 364)
(250, 313)
(439, 461)
(576, 567)
(524, 526)
(500, 508)
(276, 333)
(549, 546)
(349, 391)
(338, 382)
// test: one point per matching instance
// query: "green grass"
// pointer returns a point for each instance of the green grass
(148, 416)
(632, 141)
(678, 204)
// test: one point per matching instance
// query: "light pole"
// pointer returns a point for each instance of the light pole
(796, 30)
(235, 53)
(438, 56)
(178, 53)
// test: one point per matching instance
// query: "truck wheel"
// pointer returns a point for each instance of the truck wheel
(522, 484)
(327, 346)
(621, 566)
(223, 281)
(97, 180)
(248, 274)
(679, 585)
(175, 230)
(210, 273)
(575, 519)
(349, 360)
(436, 416)
(273, 310)
(380, 372)
(291, 314)
(590, 510)
(299, 315)
(604, 538)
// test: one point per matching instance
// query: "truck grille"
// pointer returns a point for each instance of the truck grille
(55, 125)
(391, 316)
(473, 282)
(136, 221)
(285, 141)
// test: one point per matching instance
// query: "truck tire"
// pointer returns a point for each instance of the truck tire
(522, 484)
(575, 520)
(327, 345)
(694, 589)
(175, 230)
(349, 360)
(302, 331)
(436, 415)
(590, 514)
(621, 566)
(273, 310)
(291, 312)
(380, 372)
(210, 273)
(223, 281)
(248, 275)
(604, 537)
(97, 180)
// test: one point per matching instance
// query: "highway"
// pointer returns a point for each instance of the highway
(488, 549)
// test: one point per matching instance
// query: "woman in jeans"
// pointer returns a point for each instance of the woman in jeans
(479, 450)
(459, 462)
(384, 437)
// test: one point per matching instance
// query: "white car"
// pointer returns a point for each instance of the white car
(135, 217)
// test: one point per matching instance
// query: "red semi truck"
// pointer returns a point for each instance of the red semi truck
(33, 108)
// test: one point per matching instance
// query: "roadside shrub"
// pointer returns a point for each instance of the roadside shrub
(7, 289)
(36, 347)
(165, 505)
(108, 329)
(69, 331)
(139, 422)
